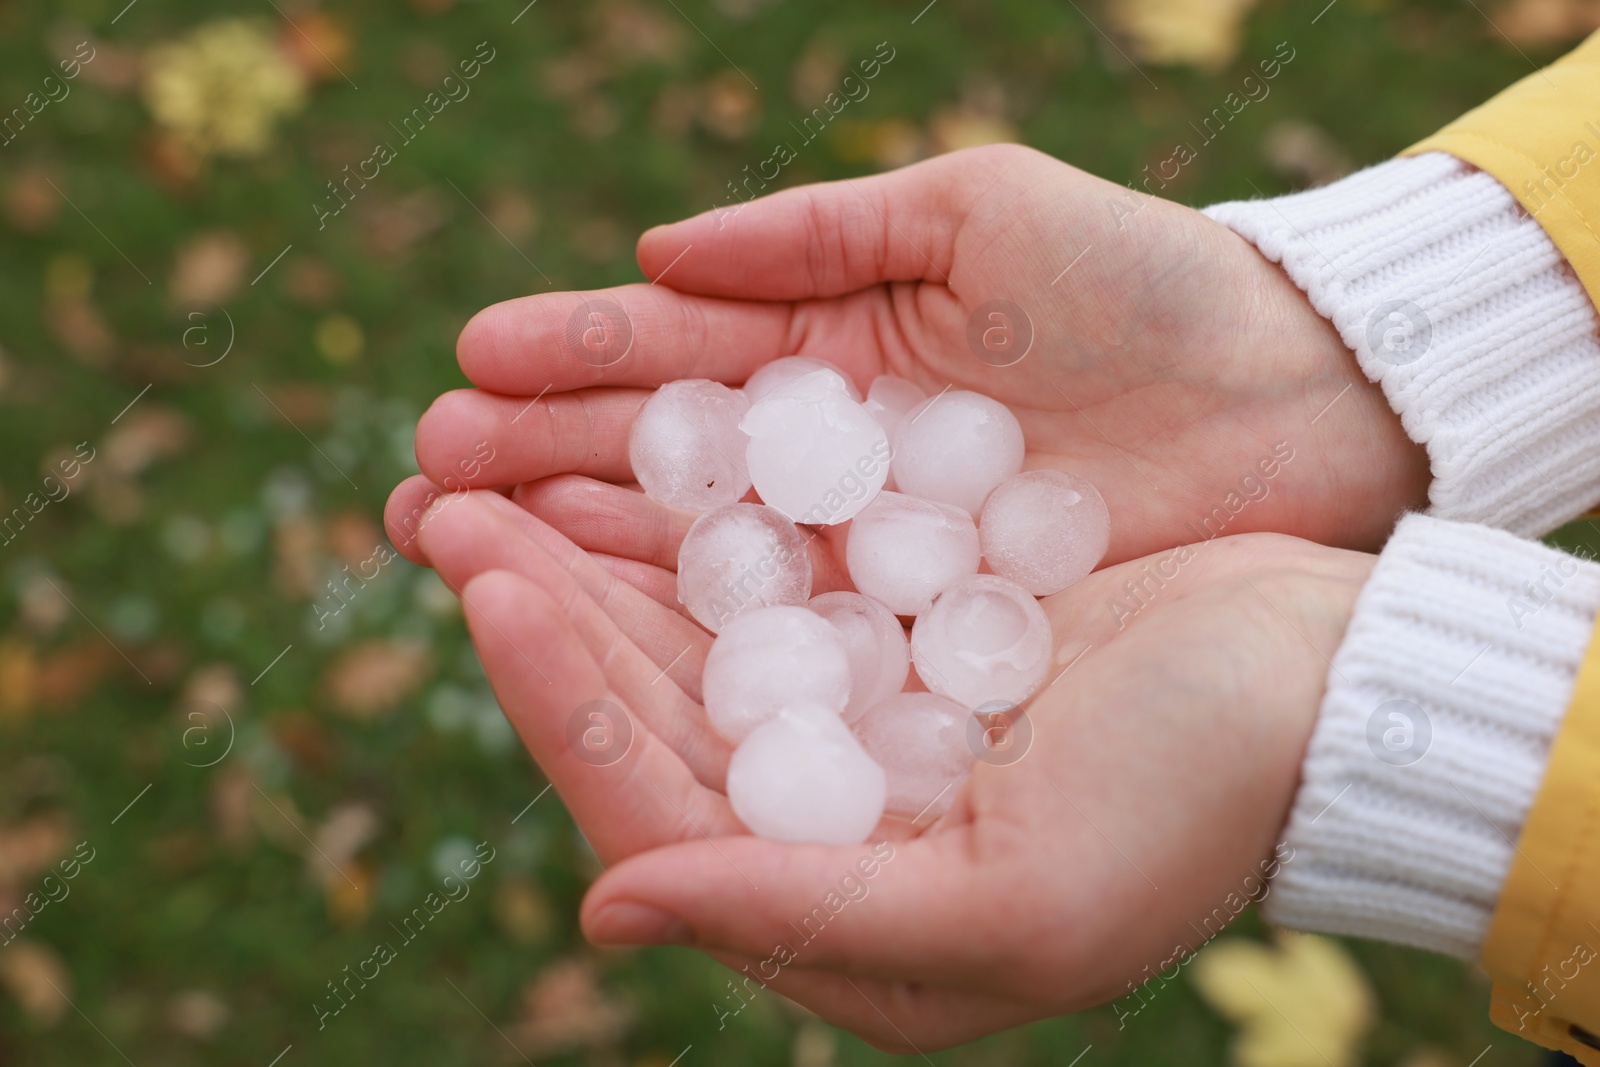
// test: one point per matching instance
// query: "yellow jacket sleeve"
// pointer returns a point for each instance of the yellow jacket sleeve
(1541, 140)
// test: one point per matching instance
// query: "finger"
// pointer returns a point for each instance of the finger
(469, 538)
(832, 238)
(600, 517)
(916, 908)
(470, 439)
(610, 519)
(410, 505)
(524, 346)
(654, 582)
(544, 677)
(661, 636)
(898, 1017)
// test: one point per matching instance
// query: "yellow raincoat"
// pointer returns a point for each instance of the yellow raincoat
(1541, 139)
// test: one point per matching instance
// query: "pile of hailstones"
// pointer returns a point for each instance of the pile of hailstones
(831, 728)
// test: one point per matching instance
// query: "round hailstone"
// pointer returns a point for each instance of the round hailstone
(1044, 530)
(957, 448)
(985, 639)
(920, 740)
(741, 556)
(815, 454)
(781, 372)
(771, 660)
(686, 447)
(903, 552)
(880, 658)
(889, 399)
(805, 778)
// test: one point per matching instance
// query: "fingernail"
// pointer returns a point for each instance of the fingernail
(629, 923)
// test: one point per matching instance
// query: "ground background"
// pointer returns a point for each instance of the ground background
(138, 209)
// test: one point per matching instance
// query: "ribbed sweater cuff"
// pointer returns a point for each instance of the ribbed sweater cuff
(1460, 307)
(1441, 707)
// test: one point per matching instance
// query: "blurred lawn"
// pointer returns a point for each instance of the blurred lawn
(204, 530)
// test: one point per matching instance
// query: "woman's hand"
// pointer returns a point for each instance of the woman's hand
(1162, 765)
(1170, 363)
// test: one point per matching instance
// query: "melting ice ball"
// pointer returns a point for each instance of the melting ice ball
(1044, 530)
(686, 447)
(985, 639)
(770, 660)
(806, 778)
(920, 740)
(741, 556)
(815, 454)
(781, 372)
(903, 552)
(956, 448)
(880, 658)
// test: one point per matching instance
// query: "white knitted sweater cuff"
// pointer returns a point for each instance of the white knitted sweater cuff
(1457, 303)
(1441, 707)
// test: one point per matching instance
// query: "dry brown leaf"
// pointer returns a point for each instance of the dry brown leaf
(318, 44)
(817, 72)
(231, 794)
(297, 554)
(816, 1044)
(35, 974)
(390, 228)
(209, 269)
(44, 607)
(353, 536)
(114, 67)
(575, 75)
(30, 847)
(1545, 22)
(373, 677)
(1303, 154)
(198, 1014)
(66, 677)
(306, 740)
(31, 204)
(19, 678)
(564, 1008)
(636, 33)
(215, 684)
(965, 127)
(1302, 1002)
(78, 326)
(513, 213)
(147, 434)
(350, 897)
(304, 403)
(1195, 33)
(312, 282)
(729, 107)
(348, 829)
(522, 911)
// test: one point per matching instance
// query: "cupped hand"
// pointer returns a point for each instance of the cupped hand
(1163, 761)
(1169, 363)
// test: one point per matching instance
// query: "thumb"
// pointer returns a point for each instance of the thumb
(832, 238)
(890, 910)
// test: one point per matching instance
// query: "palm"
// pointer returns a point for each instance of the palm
(1050, 884)
(1170, 364)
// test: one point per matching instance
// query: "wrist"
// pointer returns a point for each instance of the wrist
(1463, 311)
(1442, 703)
